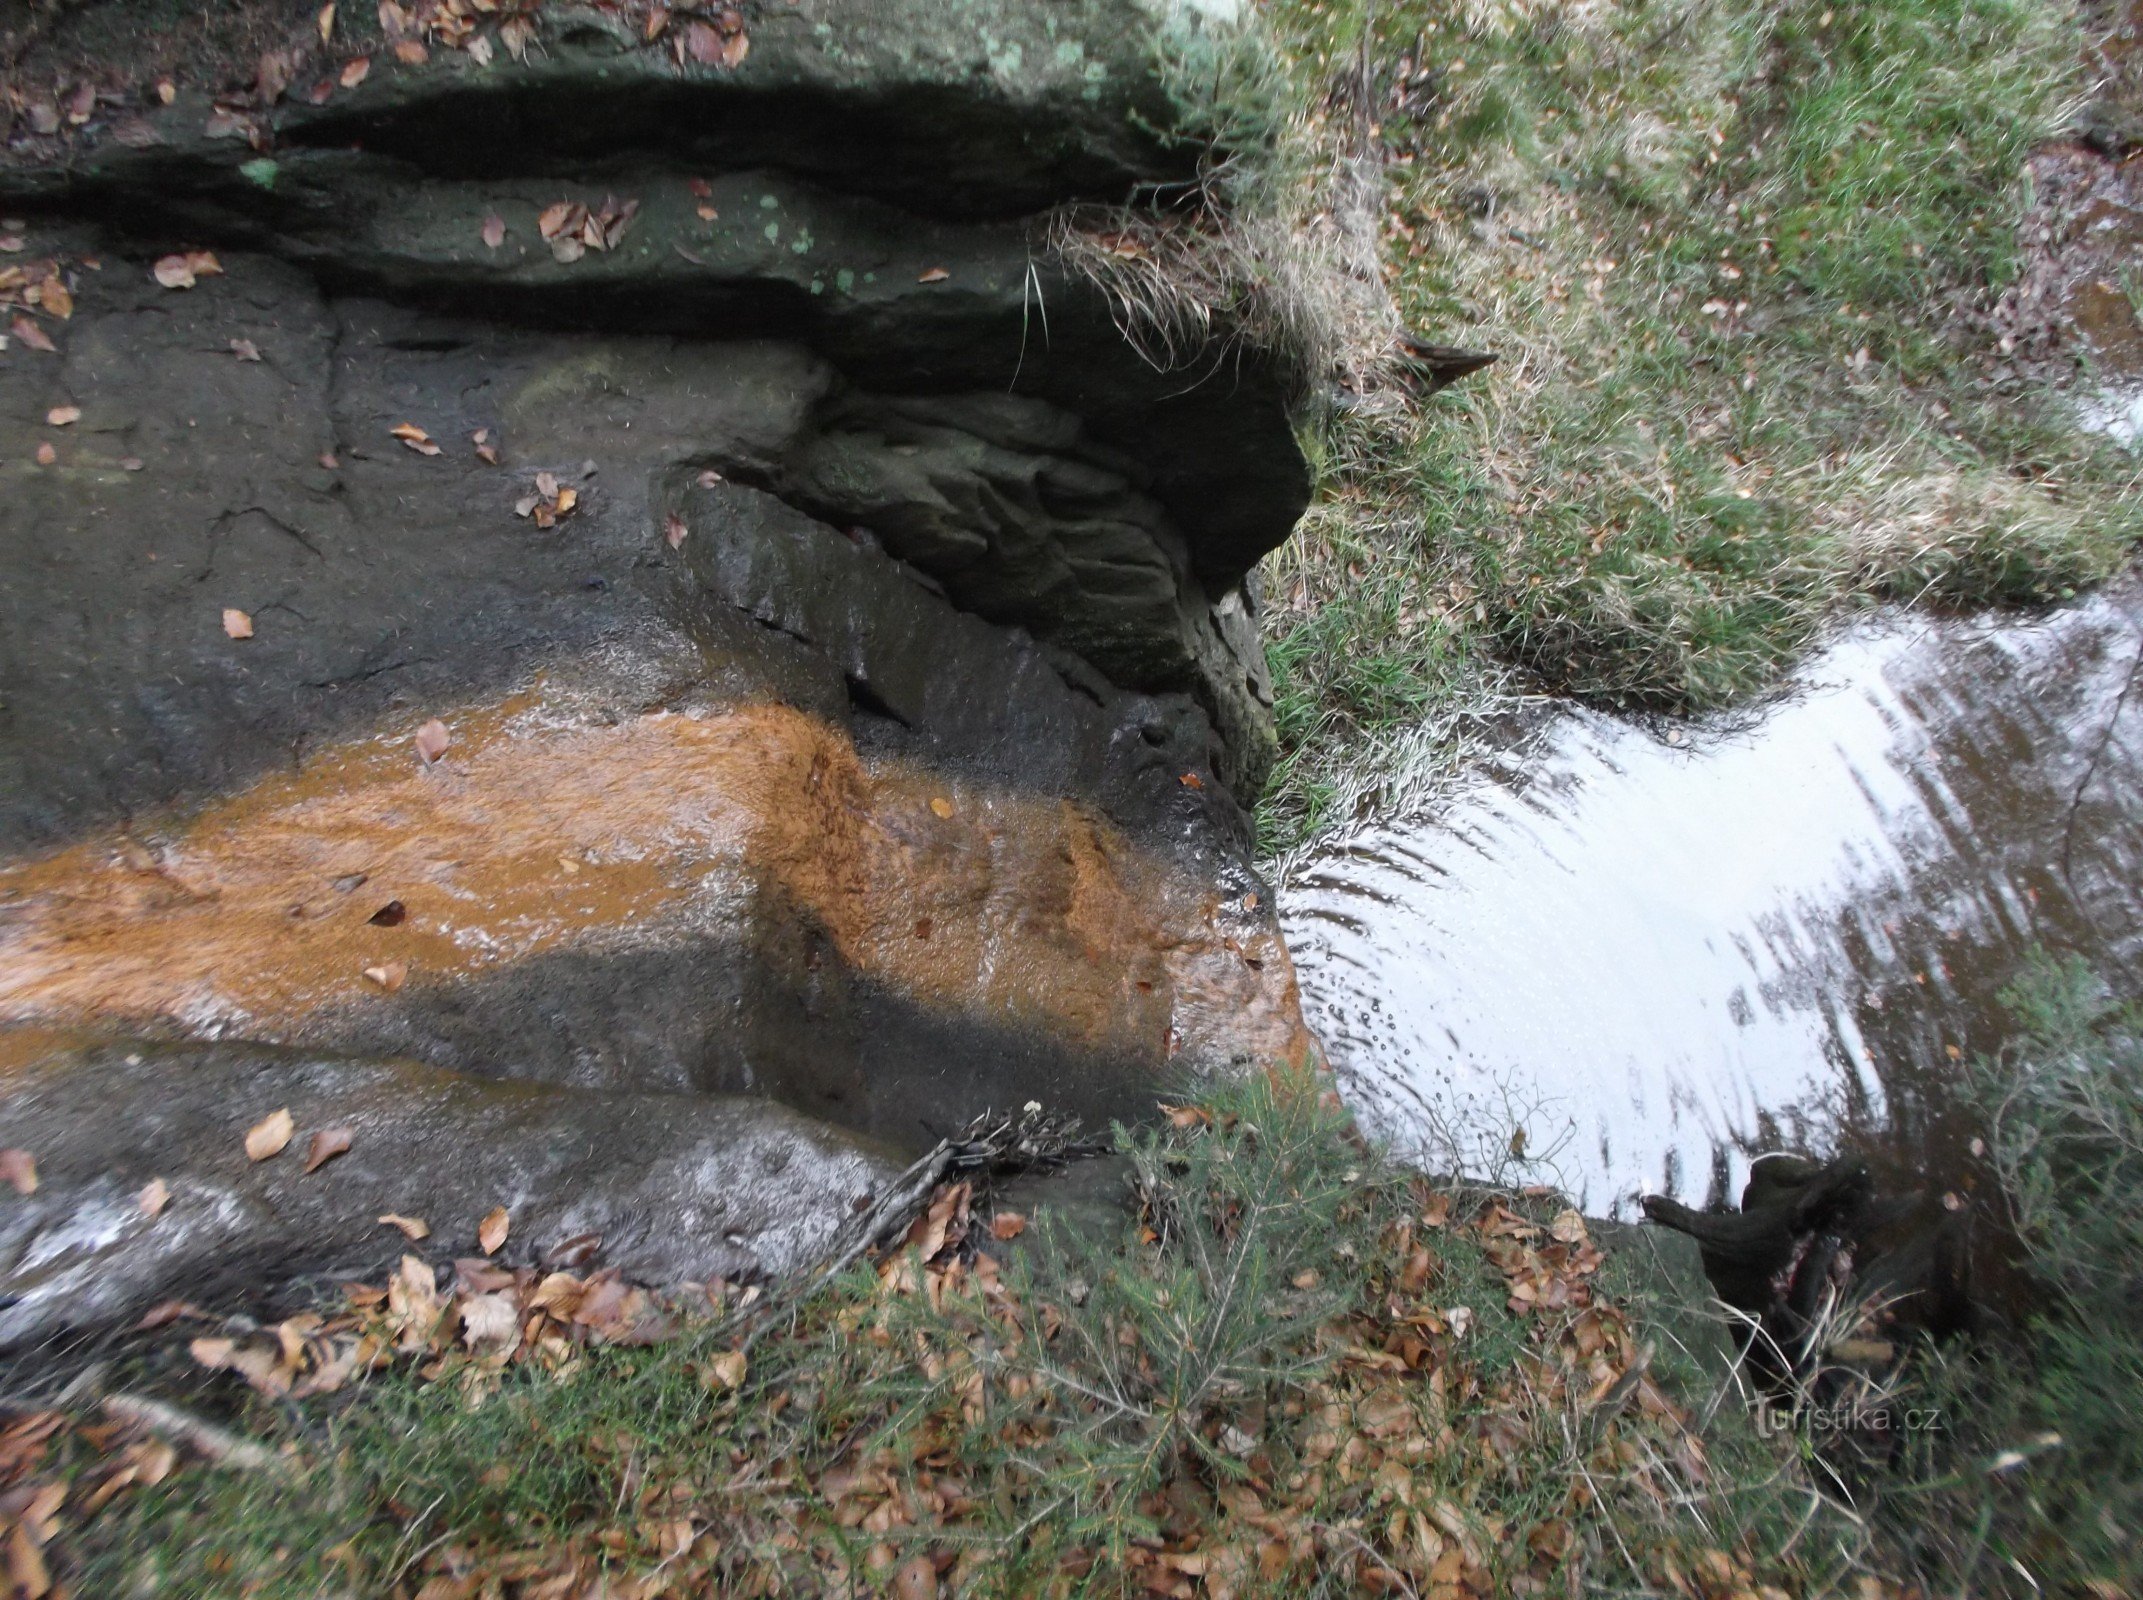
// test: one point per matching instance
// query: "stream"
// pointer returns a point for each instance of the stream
(1656, 952)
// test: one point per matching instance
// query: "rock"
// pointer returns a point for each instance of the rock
(725, 614)
(866, 185)
(679, 1188)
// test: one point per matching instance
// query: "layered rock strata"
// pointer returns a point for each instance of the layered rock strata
(606, 562)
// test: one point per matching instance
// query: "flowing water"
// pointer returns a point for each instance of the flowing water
(1659, 952)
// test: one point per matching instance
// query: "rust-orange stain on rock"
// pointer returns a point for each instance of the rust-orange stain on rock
(371, 873)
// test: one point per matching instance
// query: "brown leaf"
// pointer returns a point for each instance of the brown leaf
(166, 90)
(236, 623)
(175, 272)
(658, 18)
(940, 806)
(917, 1579)
(491, 1232)
(326, 1145)
(560, 219)
(272, 77)
(704, 44)
(515, 36)
(934, 275)
(267, 1137)
(389, 975)
(1191, 780)
(411, 53)
(27, 1574)
(53, 296)
(245, 349)
(494, 231)
(1007, 1225)
(432, 740)
(19, 1168)
(163, 1314)
(355, 71)
(154, 1196)
(60, 416)
(325, 21)
(490, 1324)
(674, 530)
(32, 335)
(728, 1368)
(413, 1228)
(46, 455)
(415, 438)
(391, 915)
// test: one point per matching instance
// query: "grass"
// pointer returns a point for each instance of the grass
(1296, 1370)
(1737, 260)
(2038, 1488)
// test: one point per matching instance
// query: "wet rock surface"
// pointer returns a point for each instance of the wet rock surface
(789, 647)
(666, 1188)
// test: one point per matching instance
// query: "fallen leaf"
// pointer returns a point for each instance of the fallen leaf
(46, 455)
(390, 915)
(705, 45)
(934, 275)
(131, 463)
(940, 805)
(236, 623)
(917, 1579)
(491, 1232)
(166, 90)
(32, 335)
(245, 349)
(489, 1322)
(19, 1168)
(213, 1353)
(411, 53)
(389, 975)
(60, 416)
(354, 71)
(326, 1145)
(560, 219)
(494, 231)
(701, 189)
(185, 270)
(1191, 780)
(326, 21)
(53, 296)
(154, 1196)
(432, 741)
(728, 1368)
(267, 1137)
(1007, 1225)
(413, 1228)
(163, 1314)
(674, 530)
(415, 438)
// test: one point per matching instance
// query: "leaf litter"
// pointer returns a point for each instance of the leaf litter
(1455, 1410)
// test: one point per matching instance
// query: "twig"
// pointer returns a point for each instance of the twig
(213, 1444)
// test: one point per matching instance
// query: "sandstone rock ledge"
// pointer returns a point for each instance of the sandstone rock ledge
(550, 562)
